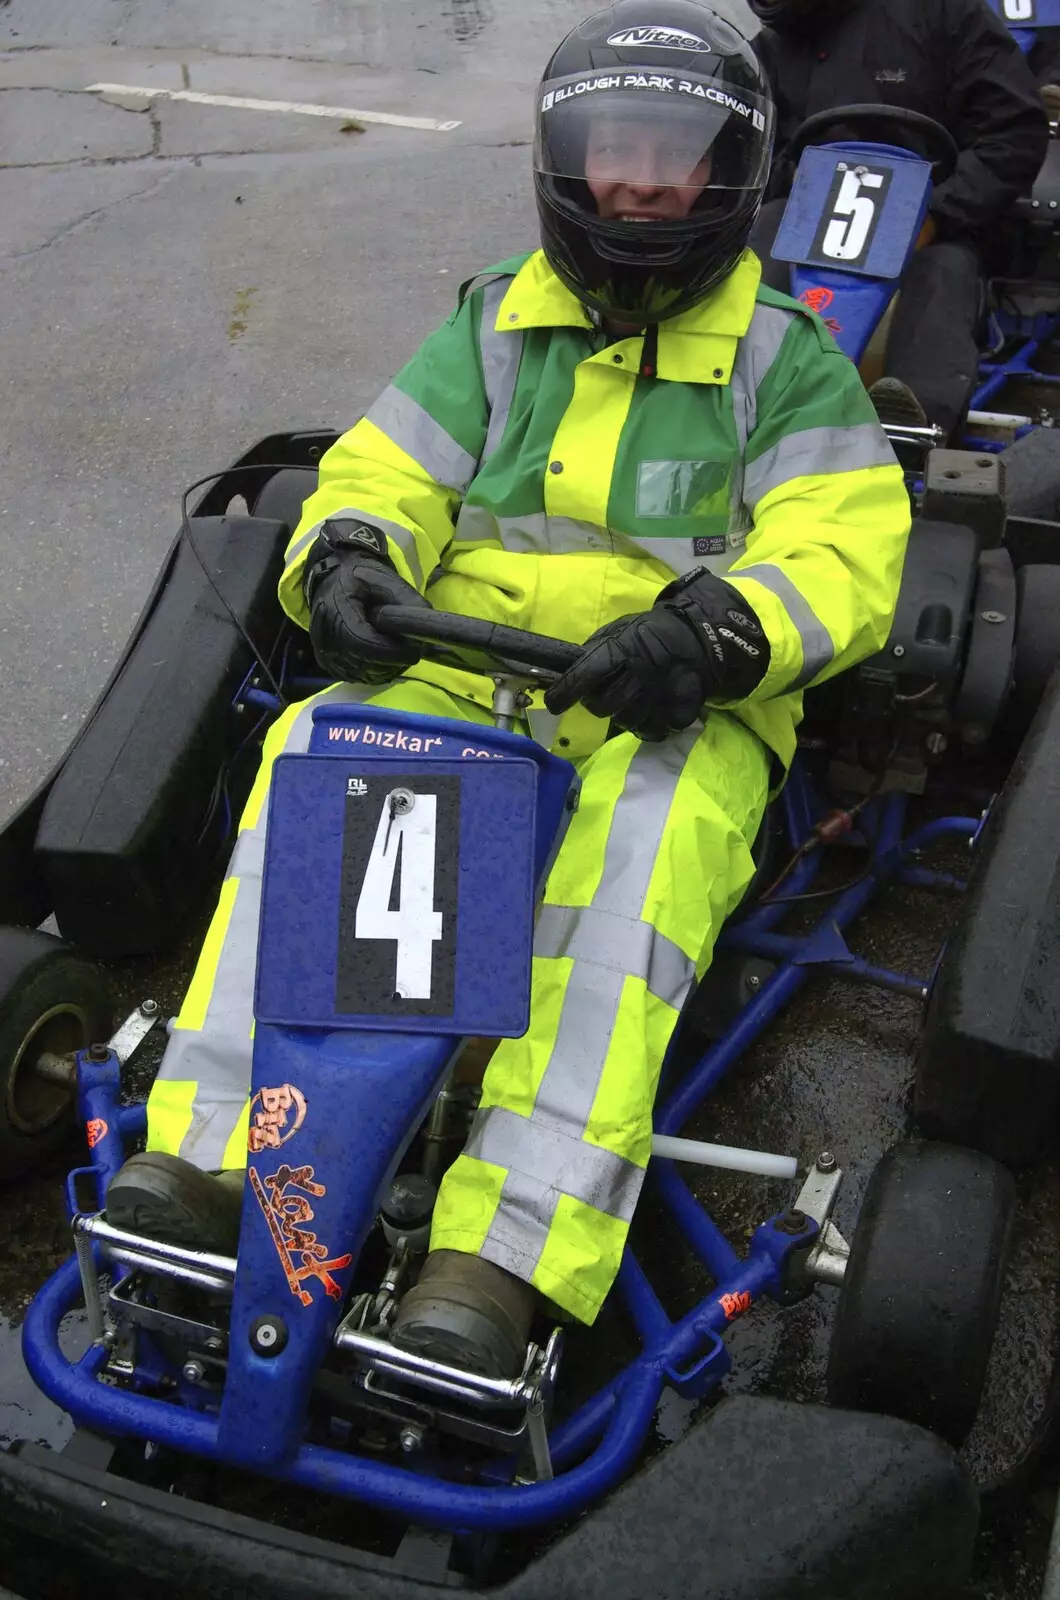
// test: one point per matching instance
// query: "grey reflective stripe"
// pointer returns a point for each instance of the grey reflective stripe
(816, 451)
(532, 535)
(755, 354)
(481, 281)
(817, 647)
(639, 821)
(538, 534)
(605, 940)
(528, 1198)
(557, 1162)
(218, 1057)
(416, 432)
(403, 537)
(302, 543)
(571, 1081)
(501, 353)
(677, 554)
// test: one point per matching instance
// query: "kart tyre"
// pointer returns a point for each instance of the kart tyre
(1037, 640)
(921, 1297)
(51, 999)
(1032, 475)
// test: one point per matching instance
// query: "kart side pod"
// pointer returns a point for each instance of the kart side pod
(131, 827)
(988, 1072)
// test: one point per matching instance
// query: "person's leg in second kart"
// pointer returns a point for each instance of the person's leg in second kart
(622, 440)
(933, 344)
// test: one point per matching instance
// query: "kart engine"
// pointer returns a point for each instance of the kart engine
(944, 676)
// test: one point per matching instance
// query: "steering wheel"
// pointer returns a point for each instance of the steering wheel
(472, 643)
(937, 141)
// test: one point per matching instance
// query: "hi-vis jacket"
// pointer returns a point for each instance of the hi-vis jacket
(526, 470)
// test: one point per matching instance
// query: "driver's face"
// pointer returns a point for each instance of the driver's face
(645, 172)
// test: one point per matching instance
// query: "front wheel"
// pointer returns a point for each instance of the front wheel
(921, 1297)
(52, 1002)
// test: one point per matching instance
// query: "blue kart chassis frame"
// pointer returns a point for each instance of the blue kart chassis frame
(592, 1450)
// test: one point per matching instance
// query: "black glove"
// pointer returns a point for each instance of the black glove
(348, 575)
(652, 672)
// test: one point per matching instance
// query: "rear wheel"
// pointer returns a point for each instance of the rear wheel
(52, 1002)
(921, 1296)
(1032, 475)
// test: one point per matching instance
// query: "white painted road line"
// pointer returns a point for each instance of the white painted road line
(291, 107)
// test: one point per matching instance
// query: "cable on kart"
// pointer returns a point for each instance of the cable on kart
(186, 533)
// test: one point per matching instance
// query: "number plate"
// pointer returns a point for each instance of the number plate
(1028, 13)
(398, 896)
(856, 213)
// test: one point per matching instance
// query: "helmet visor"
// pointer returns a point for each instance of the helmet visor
(652, 130)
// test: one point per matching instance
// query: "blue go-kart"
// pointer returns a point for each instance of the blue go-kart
(850, 228)
(371, 978)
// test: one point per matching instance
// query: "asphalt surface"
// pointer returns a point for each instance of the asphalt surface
(180, 279)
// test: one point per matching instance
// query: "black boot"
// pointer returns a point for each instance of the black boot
(468, 1313)
(164, 1197)
(896, 404)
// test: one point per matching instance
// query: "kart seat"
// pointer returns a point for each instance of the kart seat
(284, 495)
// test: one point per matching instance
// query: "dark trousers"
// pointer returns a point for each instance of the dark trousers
(932, 345)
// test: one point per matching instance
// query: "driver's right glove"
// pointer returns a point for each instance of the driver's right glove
(349, 575)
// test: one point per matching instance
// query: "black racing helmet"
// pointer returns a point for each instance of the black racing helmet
(661, 99)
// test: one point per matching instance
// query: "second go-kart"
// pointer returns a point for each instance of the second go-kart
(277, 1362)
(852, 223)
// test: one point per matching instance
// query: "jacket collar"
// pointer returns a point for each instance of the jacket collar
(699, 346)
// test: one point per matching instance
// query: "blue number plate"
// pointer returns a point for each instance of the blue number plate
(1028, 13)
(854, 211)
(398, 895)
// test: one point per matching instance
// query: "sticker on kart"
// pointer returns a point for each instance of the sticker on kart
(275, 1116)
(285, 1198)
(854, 210)
(398, 895)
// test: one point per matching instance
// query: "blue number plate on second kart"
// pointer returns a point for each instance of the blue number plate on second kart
(854, 212)
(1028, 13)
(398, 896)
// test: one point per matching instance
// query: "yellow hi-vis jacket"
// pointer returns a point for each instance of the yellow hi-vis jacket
(528, 468)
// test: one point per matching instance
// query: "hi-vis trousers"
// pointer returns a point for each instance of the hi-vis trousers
(656, 856)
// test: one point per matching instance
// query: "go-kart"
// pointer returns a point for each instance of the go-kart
(277, 1362)
(850, 228)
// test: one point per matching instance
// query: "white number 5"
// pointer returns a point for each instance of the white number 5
(845, 236)
(1019, 10)
(410, 838)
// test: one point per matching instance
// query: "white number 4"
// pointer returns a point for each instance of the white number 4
(1019, 10)
(845, 236)
(411, 839)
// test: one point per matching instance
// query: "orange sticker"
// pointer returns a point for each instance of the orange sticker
(271, 1119)
(95, 1130)
(285, 1200)
(818, 299)
(734, 1305)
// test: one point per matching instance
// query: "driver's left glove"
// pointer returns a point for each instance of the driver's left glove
(651, 673)
(348, 576)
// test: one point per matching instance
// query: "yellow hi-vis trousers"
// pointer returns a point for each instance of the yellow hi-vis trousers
(656, 857)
